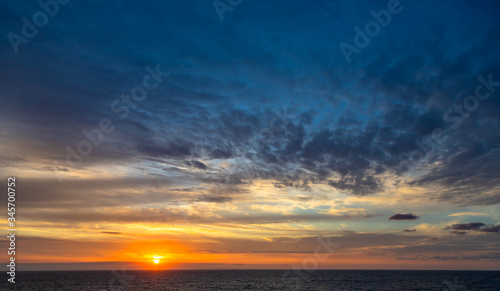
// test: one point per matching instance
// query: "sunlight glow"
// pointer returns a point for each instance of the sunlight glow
(156, 259)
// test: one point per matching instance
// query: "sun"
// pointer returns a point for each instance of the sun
(156, 259)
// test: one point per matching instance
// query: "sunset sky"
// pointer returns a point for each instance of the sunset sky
(248, 140)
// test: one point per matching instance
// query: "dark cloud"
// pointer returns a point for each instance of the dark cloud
(491, 228)
(407, 216)
(213, 199)
(410, 230)
(466, 226)
(475, 226)
(196, 164)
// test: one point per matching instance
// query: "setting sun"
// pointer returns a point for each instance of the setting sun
(156, 259)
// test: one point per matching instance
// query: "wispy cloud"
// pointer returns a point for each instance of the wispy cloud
(469, 214)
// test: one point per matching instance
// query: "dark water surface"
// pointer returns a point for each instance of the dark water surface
(255, 280)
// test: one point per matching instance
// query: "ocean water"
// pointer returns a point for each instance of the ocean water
(255, 280)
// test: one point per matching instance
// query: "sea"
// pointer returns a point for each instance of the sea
(255, 280)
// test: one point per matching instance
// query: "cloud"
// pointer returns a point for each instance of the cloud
(180, 215)
(466, 226)
(469, 214)
(196, 164)
(407, 216)
(327, 133)
(262, 112)
(495, 256)
(491, 228)
(475, 226)
(213, 199)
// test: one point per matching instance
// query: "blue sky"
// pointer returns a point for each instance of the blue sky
(261, 122)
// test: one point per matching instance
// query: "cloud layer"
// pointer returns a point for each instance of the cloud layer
(258, 126)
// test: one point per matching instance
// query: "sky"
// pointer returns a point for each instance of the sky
(252, 134)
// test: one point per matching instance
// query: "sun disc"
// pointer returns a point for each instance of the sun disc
(156, 259)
